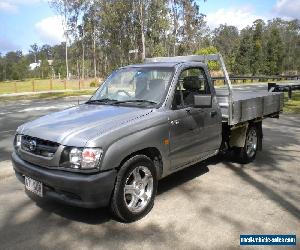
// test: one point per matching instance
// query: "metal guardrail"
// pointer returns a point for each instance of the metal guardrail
(283, 87)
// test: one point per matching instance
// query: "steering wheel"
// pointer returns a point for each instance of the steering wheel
(123, 91)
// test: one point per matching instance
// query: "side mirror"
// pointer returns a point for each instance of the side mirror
(202, 101)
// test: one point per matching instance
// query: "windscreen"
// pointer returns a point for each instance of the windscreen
(129, 84)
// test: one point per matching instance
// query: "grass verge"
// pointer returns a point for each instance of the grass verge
(36, 85)
(48, 95)
(292, 106)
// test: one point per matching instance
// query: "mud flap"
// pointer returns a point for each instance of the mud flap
(238, 136)
(260, 135)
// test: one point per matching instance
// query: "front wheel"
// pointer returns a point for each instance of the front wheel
(135, 189)
(247, 153)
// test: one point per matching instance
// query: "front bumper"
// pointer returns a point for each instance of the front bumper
(82, 190)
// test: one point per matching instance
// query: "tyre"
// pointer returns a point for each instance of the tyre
(135, 189)
(248, 152)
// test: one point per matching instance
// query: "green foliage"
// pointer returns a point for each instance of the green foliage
(158, 24)
(109, 29)
(44, 68)
(14, 66)
(207, 50)
(292, 106)
(274, 53)
(212, 65)
(243, 58)
(256, 57)
(226, 40)
(93, 84)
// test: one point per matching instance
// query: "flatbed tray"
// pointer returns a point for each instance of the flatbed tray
(249, 103)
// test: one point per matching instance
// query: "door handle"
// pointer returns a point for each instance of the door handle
(188, 110)
(213, 113)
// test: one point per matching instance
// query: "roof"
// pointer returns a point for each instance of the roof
(154, 64)
(169, 64)
(192, 60)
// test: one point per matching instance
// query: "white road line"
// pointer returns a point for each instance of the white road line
(61, 106)
(7, 131)
(5, 113)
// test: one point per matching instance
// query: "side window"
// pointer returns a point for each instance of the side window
(192, 81)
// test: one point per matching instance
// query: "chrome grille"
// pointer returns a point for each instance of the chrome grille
(38, 146)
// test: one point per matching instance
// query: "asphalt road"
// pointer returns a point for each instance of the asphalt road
(206, 206)
(15, 113)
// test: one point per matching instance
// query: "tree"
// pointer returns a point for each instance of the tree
(44, 68)
(193, 27)
(174, 13)
(206, 51)
(101, 33)
(226, 39)
(59, 65)
(61, 6)
(256, 60)
(46, 51)
(34, 50)
(274, 53)
(81, 31)
(157, 28)
(16, 66)
(244, 53)
(69, 10)
(141, 7)
(90, 23)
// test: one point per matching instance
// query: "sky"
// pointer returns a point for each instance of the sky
(25, 22)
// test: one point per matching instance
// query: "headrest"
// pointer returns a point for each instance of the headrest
(156, 84)
(141, 84)
(191, 83)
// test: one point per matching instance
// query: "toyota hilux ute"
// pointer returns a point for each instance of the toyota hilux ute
(145, 122)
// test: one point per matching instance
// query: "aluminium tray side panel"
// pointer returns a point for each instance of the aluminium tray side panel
(245, 110)
(258, 107)
(273, 103)
(249, 106)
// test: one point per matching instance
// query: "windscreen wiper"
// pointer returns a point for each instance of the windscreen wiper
(136, 101)
(104, 100)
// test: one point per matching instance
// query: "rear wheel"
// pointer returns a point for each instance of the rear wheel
(135, 189)
(247, 153)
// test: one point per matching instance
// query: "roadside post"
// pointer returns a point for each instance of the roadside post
(290, 92)
(32, 83)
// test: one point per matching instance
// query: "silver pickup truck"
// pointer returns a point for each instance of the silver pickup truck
(145, 122)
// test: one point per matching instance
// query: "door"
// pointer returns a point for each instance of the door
(194, 132)
(184, 145)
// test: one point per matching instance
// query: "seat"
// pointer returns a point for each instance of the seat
(192, 86)
(156, 90)
(141, 87)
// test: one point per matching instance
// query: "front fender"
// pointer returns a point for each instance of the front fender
(150, 137)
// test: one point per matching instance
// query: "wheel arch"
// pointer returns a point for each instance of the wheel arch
(153, 153)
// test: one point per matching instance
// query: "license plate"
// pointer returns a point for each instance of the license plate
(34, 186)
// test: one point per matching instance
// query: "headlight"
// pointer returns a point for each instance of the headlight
(85, 158)
(75, 157)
